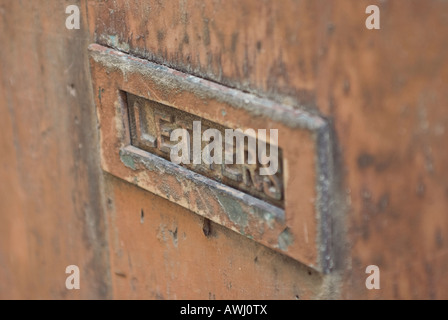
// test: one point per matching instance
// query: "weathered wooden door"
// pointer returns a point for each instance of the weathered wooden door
(86, 177)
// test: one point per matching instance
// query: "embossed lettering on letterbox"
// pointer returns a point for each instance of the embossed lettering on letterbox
(151, 124)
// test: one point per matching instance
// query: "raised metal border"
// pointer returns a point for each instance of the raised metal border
(306, 149)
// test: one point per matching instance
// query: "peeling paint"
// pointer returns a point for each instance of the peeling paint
(285, 239)
(173, 80)
(234, 210)
(127, 160)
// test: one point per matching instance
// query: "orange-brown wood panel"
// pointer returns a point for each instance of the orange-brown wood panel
(386, 93)
(160, 251)
(50, 211)
(383, 91)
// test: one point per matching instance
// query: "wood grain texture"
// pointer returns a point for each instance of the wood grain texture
(383, 91)
(50, 212)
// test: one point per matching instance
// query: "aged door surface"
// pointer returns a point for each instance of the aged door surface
(362, 126)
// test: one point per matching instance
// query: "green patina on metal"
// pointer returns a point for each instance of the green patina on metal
(234, 210)
(285, 239)
(127, 160)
